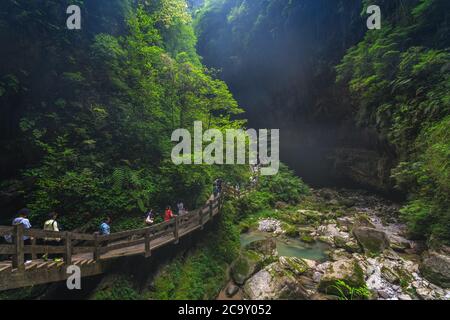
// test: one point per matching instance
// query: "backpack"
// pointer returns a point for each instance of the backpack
(49, 226)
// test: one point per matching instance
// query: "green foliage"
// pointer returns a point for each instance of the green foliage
(399, 79)
(285, 186)
(94, 127)
(202, 273)
(27, 293)
(120, 289)
(346, 292)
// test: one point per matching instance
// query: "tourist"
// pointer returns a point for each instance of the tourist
(52, 225)
(219, 185)
(168, 214)
(180, 207)
(150, 218)
(105, 227)
(215, 189)
(22, 218)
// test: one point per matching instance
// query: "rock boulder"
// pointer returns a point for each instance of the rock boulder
(372, 240)
(435, 267)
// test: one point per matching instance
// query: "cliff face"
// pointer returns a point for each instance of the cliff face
(355, 106)
(279, 59)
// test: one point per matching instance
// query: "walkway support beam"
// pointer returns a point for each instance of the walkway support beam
(18, 256)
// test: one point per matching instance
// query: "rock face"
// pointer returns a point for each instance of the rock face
(436, 268)
(270, 225)
(278, 281)
(372, 240)
(266, 247)
(365, 167)
(363, 253)
(348, 271)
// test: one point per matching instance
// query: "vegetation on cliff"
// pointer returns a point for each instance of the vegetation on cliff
(314, 65)
(87, 115)
(399, 81)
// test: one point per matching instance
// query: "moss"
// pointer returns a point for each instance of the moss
(291, 231)
(353, 278)
(240, 270)
(296, 265)
(244, 226)
(307, 238)
(121, 289)
(359, 276)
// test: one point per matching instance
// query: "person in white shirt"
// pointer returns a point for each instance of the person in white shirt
(52, 225)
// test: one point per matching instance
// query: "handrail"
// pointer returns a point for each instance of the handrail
(102, 244)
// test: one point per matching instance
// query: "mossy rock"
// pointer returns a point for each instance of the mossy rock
(390, 275)
(296, 265)
(347, 202)
(372, 240)
(363, 220)
(291, 231)
(266, 247)
(346, 244)
(244, 227)
(307, 238)
(348, 271)
(436, 268)
(245, 266)
(327, 240)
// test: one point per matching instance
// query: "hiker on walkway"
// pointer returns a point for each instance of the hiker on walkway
(22, 218)
(52, 225)
(215, 189)
(168, 214)
(180, 206)
(219, 185)
(150, 218)
(238, 188)
(105, 227)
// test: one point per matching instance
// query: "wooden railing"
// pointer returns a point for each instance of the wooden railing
(71, 244)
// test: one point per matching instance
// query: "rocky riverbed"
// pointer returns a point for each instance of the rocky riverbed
(369, 254)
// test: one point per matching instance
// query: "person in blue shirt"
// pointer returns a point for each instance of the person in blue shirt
(105, 226)
(22, 218)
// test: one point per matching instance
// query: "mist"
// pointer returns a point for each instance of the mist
(279, 62)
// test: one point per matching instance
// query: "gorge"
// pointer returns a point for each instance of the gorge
(363, 116)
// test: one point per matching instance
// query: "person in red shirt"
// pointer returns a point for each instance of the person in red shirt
(168, 215)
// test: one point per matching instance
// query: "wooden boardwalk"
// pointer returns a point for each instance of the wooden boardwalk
(92, 253)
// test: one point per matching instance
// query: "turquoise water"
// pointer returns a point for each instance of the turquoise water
(290, 247)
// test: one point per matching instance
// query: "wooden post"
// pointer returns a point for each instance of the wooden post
(68, 248)
(96, 248)
(148, 250)
(176, 231)
(211, 208)
(18, 256)
(200, 218)
(33, 250)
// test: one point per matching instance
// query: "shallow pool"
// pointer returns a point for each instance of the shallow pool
(290, 247)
